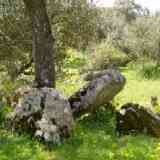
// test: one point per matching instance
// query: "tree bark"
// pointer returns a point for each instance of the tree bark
(43, 52)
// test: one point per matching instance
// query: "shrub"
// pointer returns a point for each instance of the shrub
(73, 63)
(106, 55)
(150, 70)
(74, 59)
(69, 80)
(4, 112)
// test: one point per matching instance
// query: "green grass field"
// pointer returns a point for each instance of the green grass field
(138, 89)
(94, 137)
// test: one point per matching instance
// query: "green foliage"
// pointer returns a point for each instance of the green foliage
(17, 147)
(150, 71)
(146, 68)
(73, 24)
(94, 136)
(106, 55)
(110, 25)
(127, 26)
(138, 89)
(76, 25)
(8, 87)
(129, 9)
(4, 111)
(131, 28)
(141, 38)
(69, 80)
(74, 59)
(15, 37)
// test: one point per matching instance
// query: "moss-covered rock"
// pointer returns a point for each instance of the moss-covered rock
(45, 113)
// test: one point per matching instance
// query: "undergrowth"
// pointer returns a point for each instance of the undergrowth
(94, 136)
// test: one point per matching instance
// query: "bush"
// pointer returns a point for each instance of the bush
(4, 111)
(74, 59)
(150, 70)
(73, 63)
(105, 55)
(69, 79)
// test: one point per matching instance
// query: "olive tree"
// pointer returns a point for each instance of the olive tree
(43, 53)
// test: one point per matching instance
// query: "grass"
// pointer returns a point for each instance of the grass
(14, 147)
(68, 86)
(138, 89)
(94, 137)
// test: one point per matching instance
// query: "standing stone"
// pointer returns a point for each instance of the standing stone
(45, 113)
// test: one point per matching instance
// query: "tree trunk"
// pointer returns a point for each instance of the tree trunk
(43, 53)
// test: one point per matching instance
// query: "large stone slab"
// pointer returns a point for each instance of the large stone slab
(101, 90)
(45, 113)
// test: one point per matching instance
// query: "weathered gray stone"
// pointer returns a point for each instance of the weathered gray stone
(44, 112)
(99, 91)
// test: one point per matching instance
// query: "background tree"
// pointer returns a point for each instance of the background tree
(129, 9)
(15, 38)
(73, 25)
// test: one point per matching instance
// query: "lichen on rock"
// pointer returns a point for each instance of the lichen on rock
(45, 113)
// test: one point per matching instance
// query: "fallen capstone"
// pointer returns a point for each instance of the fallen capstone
(99, 91)
(134, 119)
(45, 113)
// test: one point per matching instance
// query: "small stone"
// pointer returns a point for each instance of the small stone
(38, 133)
(122, 112)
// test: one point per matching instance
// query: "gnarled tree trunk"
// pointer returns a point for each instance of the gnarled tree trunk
(43, 52)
